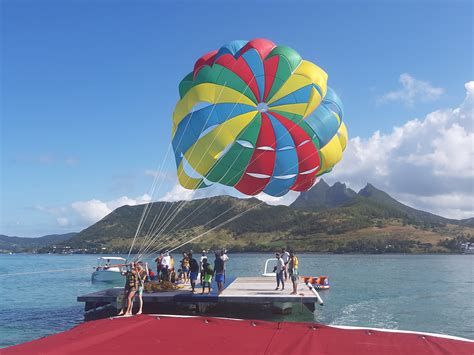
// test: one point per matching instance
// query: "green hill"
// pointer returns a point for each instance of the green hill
(19, 244)
(326, 218)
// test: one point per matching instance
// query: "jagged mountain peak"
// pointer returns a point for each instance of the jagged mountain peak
(323, 196)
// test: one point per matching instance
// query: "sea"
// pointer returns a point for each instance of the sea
(427, 293)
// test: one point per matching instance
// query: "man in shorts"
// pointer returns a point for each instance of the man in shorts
(193, 271)
(219, 272)
(293, 271)
(279, 268)
(286, 257)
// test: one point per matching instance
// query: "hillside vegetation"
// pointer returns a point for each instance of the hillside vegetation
(325, 219)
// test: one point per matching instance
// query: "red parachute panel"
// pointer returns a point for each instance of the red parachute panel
(262, 161)
(308, 157)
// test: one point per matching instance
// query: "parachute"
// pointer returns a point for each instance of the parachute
(257, 117)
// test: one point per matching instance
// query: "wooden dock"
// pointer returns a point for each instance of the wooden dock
(242, 290)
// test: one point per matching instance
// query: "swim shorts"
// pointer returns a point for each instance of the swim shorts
(219, 277)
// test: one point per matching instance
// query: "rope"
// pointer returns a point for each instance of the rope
(218, 226)
(194, 147)
(187, 242)
(160, 230)
(174, 214)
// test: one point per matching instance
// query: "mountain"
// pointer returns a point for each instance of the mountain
(369, 202)
(323, 196)
(19, 244)
(326, 218)
(468, 222)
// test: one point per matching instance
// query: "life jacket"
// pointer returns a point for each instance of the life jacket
(131, 279)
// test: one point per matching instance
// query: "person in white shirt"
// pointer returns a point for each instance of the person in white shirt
(201, 271)
(279, 268)
(225, 259)
(286, 258)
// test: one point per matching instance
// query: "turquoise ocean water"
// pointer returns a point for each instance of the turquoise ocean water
(429, 293)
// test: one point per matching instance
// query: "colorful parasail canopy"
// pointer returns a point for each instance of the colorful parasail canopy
(256, 116)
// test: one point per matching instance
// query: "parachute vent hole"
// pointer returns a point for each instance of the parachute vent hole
(262, 107)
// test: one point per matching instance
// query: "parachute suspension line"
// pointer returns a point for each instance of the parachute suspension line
(156, 219)
(171, 233)
(179, 208)
(180, 223)
(163, 243)
(162, 163)
(287, 170)
(147, 207)
(155, 235)
(148, 233)
(181, 204)
(167, 241)
(168, 222)
(257, 155)
(218, 226)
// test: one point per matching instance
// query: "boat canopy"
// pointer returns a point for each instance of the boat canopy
(215, 334)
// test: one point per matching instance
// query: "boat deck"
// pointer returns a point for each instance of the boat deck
(250, 290)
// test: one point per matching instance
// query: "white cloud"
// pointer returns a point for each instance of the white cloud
(412, 90)
(179, 193)
(91, 211)
(81, 214)
(427, 163)
(286, 200)
(63, 221)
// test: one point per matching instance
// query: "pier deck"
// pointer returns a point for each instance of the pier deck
(248, 290)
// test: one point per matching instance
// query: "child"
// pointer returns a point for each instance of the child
(207, 278)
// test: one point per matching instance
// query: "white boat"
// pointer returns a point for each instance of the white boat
(109, 269)
(266, 272)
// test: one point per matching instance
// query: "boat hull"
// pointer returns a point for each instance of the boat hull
(107, 276)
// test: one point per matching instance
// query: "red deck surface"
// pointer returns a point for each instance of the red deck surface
(201, 335)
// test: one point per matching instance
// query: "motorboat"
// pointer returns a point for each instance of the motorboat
(109, 269)
(266, 272)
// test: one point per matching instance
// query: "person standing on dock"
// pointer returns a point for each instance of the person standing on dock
(141, 277)
(193, 271)
(203, 256)
(165, 266)
(286, 258)
(129, 290)
(293, 271)
(219, 271)
(279, 268)
(207, 278)
(159, 266)
(225, 259)
(185, 267)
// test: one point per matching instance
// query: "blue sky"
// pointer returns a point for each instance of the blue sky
(89, 87)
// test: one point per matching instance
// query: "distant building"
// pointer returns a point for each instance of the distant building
(467, 248)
